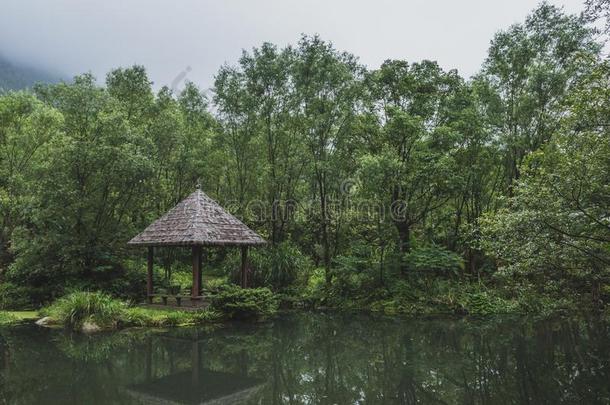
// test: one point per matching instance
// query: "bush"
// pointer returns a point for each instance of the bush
(480, 303)
(244, 303)
(74, 309)
(353, 274)
(434, 259)
(315, 288)
(128, 282)
(14, 297)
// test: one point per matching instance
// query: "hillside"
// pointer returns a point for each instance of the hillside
(15, 76)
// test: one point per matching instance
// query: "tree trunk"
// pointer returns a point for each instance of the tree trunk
(404, 245)
(404, 236)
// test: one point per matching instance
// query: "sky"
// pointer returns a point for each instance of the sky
(190, 39)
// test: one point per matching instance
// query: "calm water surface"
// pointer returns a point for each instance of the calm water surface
(315, 358)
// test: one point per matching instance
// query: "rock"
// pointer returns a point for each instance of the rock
(46, 321)
(90, 327)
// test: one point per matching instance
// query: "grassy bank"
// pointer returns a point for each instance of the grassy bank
(16, 317)
(94, 311)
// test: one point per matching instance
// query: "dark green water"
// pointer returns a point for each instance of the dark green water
(315, 358)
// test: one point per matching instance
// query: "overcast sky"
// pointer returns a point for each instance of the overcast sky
(192, 38)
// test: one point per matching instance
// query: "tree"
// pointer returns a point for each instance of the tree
(529, 70)
(327, 84)
(414, 149)
(84, 194)
(264, 77)
(26, 127)
(597, 10)
(238, 140)
(556, 225)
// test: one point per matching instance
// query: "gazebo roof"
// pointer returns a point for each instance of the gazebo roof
(197, 220)
(211, 387)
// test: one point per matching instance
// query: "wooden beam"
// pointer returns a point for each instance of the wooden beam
(149, 275)
(196, 290)
(244, 267)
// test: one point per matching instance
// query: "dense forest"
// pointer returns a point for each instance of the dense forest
(405, 188)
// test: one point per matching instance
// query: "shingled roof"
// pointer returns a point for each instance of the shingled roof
(197, 220)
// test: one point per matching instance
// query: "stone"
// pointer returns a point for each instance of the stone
(45, 321)
(90, 327)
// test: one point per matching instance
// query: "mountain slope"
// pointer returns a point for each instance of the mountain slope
(15, 76)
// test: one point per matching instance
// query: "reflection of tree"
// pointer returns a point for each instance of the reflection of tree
(323, 359)
(438, 361)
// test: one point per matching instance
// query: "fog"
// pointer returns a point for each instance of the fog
(190, 39)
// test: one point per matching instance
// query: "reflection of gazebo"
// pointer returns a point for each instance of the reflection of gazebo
(195, 222)
(210, 387)
(198, 385)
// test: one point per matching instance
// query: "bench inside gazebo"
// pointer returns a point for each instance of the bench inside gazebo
(196, 221)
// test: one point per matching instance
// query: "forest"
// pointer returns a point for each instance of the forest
(405, 188)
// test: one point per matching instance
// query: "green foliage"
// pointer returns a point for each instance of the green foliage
(76, 308)
(143, 317)
(276, 267)
(14, 296)
(554, 227)
(434, 259)
(279, 266)
(354, 277)
(250, 303)
(487, 303)
(7, 319)
(359, 174)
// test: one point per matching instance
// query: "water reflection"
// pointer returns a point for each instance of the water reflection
(315, 359)
(197, 385)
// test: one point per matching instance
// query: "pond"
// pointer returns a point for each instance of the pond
(314, 358)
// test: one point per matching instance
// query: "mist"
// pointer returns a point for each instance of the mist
(190, 40)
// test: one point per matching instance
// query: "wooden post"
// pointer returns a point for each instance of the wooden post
(200, 270)
(196, 290)
(244, 267)
(149, 276)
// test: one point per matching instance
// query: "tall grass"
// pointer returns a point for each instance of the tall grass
(7, 318)
(161, 318)
(74, 309)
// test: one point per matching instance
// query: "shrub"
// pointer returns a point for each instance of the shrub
(479, 304)
(487, 303)
(14, 297)
(128, 282)
(315, 289)
(74, 309)
(352, 274)
(434, 259)
(244, 303)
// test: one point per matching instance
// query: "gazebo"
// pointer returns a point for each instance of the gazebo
(195, 222)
